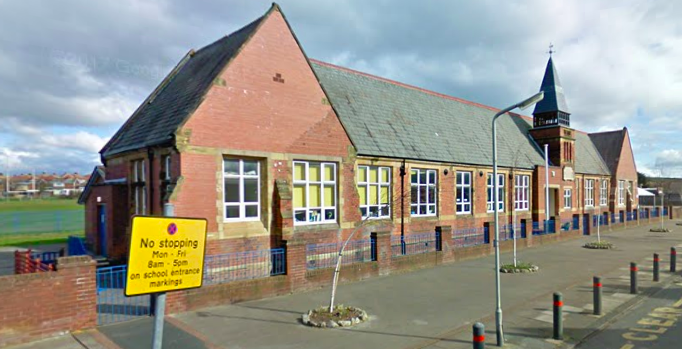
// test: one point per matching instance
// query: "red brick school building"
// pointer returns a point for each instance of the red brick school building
(278, 150)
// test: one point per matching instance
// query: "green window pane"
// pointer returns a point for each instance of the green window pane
(251, 190)
(362, 174)
(383, 196)
(231, 166)
(314, 195)
(232, 190)
(373, 195)
(329, 172)
(362, 191)
(251, 168)
(314, 172)
(299, 172)
(373, 175)
(299, 196)
(329, 196)
(385, 175)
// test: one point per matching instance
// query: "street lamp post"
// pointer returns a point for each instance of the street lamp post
(660, 192)
(498, 307)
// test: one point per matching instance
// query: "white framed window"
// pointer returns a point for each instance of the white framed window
(567, 198)
(603, 192)
(314, 192)
(241, 196)
(589, 192)
(463, 194)
(423, 192)
(167, 168)
(521, 185)
(621, 193)
(374, 189)
(490, 191)
(140, 186)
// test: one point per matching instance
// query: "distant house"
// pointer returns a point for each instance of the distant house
(269, 145)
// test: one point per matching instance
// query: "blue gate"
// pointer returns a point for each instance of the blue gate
(112, 304)
(586, 225)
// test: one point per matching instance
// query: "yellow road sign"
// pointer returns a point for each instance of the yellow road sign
(166, 254)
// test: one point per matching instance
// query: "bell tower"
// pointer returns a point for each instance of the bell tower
(552, 120)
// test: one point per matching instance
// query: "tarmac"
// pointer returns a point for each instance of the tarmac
(429, 308)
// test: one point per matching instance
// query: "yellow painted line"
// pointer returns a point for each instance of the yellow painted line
(627, 346)
(678, 304)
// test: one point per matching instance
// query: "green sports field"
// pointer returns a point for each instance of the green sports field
(39, 221)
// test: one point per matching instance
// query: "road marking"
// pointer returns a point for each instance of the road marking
(627, 346)
(653, 326)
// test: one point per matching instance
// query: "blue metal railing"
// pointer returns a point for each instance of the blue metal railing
(470, 237)
(112, 305)
(507, 231)
(544, 227)
(576, 223)
(41, 221)
(76, 246)
(601, 219)
(227, 267)
(46, 257)
(413, 244)
(320, 256)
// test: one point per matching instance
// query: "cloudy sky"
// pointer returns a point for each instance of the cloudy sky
(71, 72)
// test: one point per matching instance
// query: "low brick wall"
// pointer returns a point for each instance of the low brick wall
(46, 304)
(299, 279)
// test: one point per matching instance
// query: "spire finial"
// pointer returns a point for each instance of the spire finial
(551, 49)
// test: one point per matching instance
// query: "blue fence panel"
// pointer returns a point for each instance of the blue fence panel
(470, 237)
(507, 231)
(613, 217)
(413, 244)
(630, 216)
(247, 265)
(46, 257)
(76, 246)
(665, 211)
(112, 304)
(17, 222)
(545, 227)
(319, 256)
(576, 223)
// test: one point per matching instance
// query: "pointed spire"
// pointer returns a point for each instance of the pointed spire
(554, 100)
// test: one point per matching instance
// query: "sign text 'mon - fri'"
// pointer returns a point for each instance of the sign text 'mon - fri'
(166, 254)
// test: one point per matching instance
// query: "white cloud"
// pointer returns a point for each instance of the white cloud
(87, 65)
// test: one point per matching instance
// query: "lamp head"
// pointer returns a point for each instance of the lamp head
(532, 100)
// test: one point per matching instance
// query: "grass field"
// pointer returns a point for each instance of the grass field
(39, 205)
(39, 221)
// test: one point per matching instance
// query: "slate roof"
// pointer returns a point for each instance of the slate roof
(609, 145)
(181, 92)
(554, 93)
(382, 117)
(587, 157)
(388, 119)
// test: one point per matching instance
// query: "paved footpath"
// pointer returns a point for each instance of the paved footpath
(653, 323)
(434, 308)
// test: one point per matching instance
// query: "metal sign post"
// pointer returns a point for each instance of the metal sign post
(160, 303)
(166, 254)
